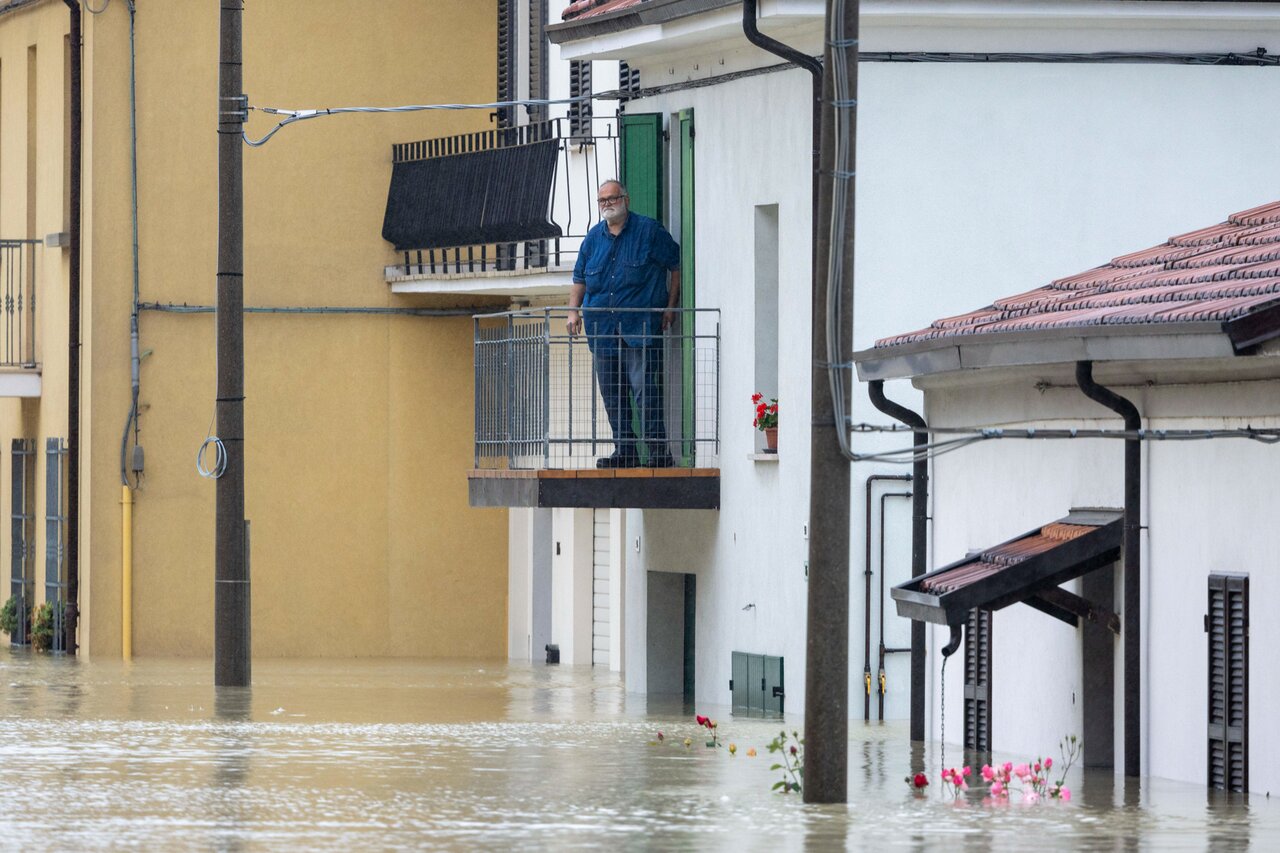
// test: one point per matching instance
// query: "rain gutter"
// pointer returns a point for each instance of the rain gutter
(919, 534)
(1132, 619)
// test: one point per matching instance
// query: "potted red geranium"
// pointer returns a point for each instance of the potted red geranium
(766, 420)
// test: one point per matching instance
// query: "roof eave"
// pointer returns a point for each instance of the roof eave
(1155, 342)
(646, 14)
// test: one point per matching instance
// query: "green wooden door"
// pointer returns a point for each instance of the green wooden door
(641, 156)
(688, 324)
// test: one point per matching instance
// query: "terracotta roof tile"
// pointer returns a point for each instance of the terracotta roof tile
(1001, 557)
(580, 9)
(1211, 274)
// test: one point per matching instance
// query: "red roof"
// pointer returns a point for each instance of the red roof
(1216, 273)
(590, 8)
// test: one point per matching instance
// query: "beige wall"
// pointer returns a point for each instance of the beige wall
(358, 428)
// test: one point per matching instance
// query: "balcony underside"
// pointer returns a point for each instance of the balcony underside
(631, 488)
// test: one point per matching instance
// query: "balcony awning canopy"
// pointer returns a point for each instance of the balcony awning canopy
(1025, 569)
(498, 195)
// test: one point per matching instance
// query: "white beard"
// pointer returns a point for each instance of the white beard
(613, 215)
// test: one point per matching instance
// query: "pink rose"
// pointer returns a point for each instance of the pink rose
(968, 771)
(1048, 764)
(1031, 797)
(997, 788)
(1066, 794)
(987, 773)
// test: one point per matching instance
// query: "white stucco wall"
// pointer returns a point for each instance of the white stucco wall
(975, 181)
(1207, 508)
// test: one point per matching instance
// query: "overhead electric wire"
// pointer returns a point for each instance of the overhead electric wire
(303, 115)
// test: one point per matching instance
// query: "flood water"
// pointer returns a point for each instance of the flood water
(383, 755)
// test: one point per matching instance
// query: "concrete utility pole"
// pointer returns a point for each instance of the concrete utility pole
(231, 641)
(826, 706)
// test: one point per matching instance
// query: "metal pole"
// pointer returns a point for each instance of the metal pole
(231, 652)
(826, 706)
(73, 335)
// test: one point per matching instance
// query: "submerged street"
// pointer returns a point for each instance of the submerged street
(373, 755)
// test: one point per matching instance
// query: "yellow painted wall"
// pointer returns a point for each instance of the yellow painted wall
(358, 428)
(31, 135)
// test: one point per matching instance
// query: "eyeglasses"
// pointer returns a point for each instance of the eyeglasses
(610, 199)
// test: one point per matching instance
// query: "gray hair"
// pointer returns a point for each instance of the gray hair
(620, 184)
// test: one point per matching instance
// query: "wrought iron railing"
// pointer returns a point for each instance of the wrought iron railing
(538, 390)
(587, 156)
(18, 310)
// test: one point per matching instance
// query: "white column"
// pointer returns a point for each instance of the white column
(617, 588)
(571, 569)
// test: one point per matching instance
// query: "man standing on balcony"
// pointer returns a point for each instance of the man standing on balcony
(624, 263)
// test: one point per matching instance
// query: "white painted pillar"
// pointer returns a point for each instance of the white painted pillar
(636, 626)
(617, 588)
(571, 570)
(519, 584)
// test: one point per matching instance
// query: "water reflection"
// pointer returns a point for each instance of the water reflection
(356, 754)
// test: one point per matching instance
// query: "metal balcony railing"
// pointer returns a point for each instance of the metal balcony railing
(18, 310)
(501, 200)
(538, 391)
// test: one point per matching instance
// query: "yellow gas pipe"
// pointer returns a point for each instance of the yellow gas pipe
(126, 573)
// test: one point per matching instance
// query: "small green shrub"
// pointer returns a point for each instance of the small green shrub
(9, 616)
(42, 627)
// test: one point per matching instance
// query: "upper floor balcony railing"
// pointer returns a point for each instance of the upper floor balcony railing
(18, 311)
(542, 395)
(495, 201)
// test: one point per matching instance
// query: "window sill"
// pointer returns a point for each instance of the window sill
(763, 457)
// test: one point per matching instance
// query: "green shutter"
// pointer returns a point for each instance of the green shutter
(641, 136)
(689, 324)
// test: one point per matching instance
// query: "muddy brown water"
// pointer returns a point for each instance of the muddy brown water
(411, 755)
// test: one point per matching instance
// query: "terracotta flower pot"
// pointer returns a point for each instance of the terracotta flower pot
(771, 440)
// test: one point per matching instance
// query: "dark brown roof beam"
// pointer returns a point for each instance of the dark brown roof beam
(1070, 608)
(1257, 327)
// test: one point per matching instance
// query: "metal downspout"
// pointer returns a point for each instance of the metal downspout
(131, 421)
(866, 574)
(919, 518)
(73, 336)
(1132, 618)
(808, 63)
(827, 619)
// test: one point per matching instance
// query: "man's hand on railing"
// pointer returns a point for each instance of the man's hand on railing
(573, 325)
(668, 318)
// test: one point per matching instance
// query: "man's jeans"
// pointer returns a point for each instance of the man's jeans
(621, 369)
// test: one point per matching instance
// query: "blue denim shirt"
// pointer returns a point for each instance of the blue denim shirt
(626, 271)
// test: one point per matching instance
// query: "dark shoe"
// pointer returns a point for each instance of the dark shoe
(617, 461)
(661, 461)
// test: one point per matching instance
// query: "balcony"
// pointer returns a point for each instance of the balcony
(19, 371)
(541, 424)
(496, 212)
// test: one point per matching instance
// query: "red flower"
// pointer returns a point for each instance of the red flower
(920, 780)
(757, 397)
(703, 721)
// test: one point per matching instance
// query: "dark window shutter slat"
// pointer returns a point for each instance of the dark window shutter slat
(1228, 688)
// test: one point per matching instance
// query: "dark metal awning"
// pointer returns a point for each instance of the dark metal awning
(1025, 569)
(496, 195)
